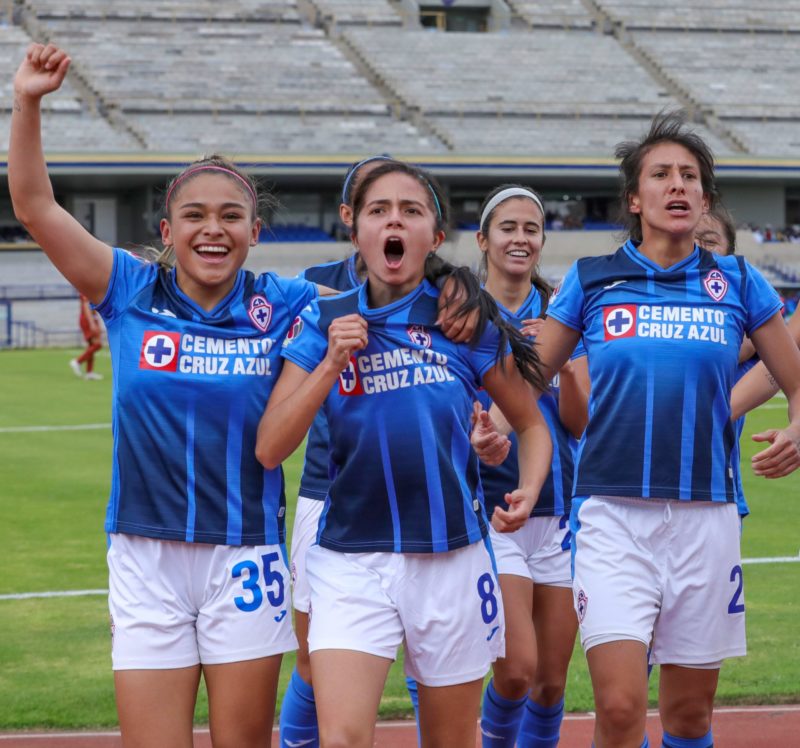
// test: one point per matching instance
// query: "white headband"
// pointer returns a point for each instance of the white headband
(505, 195)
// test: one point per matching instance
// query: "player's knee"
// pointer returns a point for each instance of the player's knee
(687, 718)
(618, 711)
(547, 693)
(345, 736)
(514, 680)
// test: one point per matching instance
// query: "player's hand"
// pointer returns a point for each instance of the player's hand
(531, 327)
(520, 503)
(346, 335)
(491, 446)
(457, 329)
(781, 457)
(41, 72)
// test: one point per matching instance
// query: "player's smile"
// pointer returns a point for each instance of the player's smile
(211, 227)
(515, 238)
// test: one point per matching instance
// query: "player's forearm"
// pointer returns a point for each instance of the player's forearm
(287, 419)
(753, 389)
(535, 456)
(28, 181)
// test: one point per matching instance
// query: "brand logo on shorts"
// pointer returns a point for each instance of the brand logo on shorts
(260, 312)
(581, 604)
(419, 335)
(349, 383)
(111, 624)
(619, 321)
(160, 350)
(715, 284)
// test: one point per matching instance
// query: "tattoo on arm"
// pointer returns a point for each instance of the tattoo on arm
(770, 379)
(17, 105)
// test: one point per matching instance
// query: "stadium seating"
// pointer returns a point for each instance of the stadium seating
(347, 76)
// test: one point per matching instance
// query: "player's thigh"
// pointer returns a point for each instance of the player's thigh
(514, 672)
(347, 692)
(617, 583)
(702, 617)
(448, 715)
(304, 535)
(156, 707)
(452, 613)
(241, 701)
(556, 626)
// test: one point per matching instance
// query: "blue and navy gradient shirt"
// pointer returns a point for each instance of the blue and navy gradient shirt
(190, 387)
(556, 494)
(404, 477)
(663, 346)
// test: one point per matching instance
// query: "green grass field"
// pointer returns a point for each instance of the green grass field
(55, 652)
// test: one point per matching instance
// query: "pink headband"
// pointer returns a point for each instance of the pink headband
(211, 167)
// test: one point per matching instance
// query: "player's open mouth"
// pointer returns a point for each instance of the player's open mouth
(393, 251)
(212, 252)
(678, 206)
(521, 253)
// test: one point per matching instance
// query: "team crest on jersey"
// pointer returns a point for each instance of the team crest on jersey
(555, 293)
(715, 284)
(349, 381)
(419, 335)
(581, 604)
(260, 312)
(619, 321)
(160, 350)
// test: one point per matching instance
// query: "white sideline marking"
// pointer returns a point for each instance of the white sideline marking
(30, 429)
(61, 593)
(86, 593)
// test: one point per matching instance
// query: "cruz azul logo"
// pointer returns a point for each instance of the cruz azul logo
(160, 350)
(715, 284)
(349, 382)
(619, 321)
(260, 312)
(419, 335)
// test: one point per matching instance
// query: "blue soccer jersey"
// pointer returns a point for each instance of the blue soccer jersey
(405, 478)
(315, 480)
(556, 494)
(663, 346)
(190, 387)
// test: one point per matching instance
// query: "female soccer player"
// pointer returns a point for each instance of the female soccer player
(533, 563)
(403, 511)
(90, 327)
(654, 520)
(197, 564)
(298, 719)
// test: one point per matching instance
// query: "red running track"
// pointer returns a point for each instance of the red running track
(734, 727)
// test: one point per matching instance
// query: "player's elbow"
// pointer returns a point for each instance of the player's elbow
(268, 454)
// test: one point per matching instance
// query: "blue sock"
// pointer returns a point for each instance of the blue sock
(645, 743)
(298, 721)
(411, 685)
(541, 725)
(500, 719)
(670, 741)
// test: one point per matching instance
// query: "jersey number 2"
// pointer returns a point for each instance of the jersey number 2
(250, 584)
(734, 606)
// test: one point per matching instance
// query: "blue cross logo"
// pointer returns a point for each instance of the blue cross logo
(261, 314)
(716, 287)
(348, 378)
(159, 350)
(420, 337)
(618, 322)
